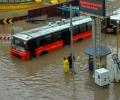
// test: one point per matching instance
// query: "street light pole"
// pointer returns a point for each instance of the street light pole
(71, 38)
(117, 39)
(94, 43)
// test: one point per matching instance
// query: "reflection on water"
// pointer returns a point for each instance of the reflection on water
(43, 78)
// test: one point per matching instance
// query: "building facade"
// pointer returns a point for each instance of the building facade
(14, 1)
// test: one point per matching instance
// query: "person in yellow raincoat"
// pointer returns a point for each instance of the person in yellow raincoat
(66, 65)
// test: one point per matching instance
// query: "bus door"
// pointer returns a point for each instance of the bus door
(66, 36)
(31, 47)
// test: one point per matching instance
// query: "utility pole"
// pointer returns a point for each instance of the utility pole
(117, 39)
(94, 44)
(71, 36)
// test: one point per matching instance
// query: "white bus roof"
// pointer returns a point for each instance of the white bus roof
(115, 17)
(117, 11)
(41, 31)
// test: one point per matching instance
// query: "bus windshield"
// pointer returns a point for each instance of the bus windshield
(18, 44)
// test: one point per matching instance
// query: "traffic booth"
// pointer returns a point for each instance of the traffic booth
(102, 55)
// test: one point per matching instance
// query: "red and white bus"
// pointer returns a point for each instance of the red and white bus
(38, 41)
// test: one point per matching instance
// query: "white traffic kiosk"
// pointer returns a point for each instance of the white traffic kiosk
(102, 77)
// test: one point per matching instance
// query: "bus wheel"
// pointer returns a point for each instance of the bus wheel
(43, 53)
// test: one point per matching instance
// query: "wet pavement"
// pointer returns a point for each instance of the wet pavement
(43, 78)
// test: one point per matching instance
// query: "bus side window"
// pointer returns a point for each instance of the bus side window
(82, 28)
(76, 30)
(42, 41)
(66, 31)
(47, 39)
(57, 36)
(39, 41)
(89, 26)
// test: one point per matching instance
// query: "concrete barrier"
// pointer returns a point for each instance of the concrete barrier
(5, 36)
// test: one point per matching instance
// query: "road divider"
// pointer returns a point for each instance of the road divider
(5, 36)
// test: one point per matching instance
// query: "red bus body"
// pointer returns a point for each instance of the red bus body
(31, 49)
(49, 48)
(22, 55)
(84, 35)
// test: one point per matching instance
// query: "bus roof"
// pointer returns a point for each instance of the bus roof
(115, 17)
(60, 25)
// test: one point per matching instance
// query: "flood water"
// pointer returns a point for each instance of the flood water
(43, 78)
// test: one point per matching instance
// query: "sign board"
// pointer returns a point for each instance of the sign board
(7, 21)
(95, 7)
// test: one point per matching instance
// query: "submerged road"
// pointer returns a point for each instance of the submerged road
(43, 78)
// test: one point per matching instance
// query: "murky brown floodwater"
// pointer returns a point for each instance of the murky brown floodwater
(43, 78)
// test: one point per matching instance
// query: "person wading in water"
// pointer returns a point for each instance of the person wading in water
(66, 65)
(71, 62)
